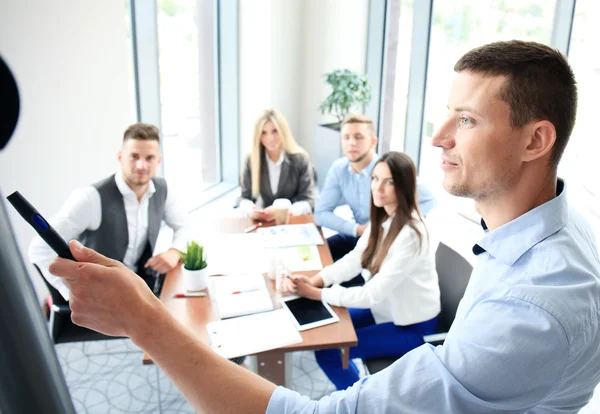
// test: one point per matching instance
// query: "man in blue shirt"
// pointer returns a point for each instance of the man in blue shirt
(349, 181)
(525, 338)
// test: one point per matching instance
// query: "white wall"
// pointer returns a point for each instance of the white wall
(285, 48)
(70, 59)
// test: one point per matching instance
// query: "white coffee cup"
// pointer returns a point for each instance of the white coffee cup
(282, 208)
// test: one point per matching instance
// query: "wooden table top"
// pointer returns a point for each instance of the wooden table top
(196, 313)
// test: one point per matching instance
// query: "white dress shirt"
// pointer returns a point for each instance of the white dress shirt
(83, 211)
(274, 167)
(405, 291)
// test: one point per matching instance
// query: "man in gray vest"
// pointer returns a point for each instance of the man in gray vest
(121, 215)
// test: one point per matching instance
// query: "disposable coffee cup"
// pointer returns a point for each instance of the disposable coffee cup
(282, 208)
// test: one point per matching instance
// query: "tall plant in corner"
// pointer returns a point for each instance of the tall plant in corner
(349, 89)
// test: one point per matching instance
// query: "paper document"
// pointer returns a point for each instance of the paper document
(299, 258)
(291, 235)
(230, 254)
(252, 334)
(240, 294)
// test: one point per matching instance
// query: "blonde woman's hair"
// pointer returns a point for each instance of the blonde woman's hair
(288, 144)
(360, 119)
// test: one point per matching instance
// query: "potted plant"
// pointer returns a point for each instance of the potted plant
(349, 91)
(195, 273)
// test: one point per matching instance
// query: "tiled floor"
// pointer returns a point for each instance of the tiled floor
(108, 377)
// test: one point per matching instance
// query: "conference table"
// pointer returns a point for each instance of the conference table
(196, 313)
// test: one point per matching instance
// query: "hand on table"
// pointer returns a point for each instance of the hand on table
(104, 294)
(264, 215)
(165, 261)
(301, 285)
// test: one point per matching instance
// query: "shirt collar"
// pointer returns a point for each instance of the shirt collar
(387, 222)
(367, 170)
(510, 241)
(277, 163)
(126, 190)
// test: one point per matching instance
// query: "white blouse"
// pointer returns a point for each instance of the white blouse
(405, 291)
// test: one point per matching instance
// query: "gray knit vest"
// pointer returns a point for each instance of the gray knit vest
(112, 237)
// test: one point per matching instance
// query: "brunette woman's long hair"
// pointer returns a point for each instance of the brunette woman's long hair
(404, 175)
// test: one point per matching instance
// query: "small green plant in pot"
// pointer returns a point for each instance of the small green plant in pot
(348, 89)
(195, 274)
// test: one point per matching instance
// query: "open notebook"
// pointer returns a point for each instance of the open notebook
(239, 295)
(252, 334)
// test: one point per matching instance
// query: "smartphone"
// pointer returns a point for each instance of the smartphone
(39, 223)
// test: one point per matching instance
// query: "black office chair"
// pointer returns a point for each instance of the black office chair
(454, 272)
(62, 329)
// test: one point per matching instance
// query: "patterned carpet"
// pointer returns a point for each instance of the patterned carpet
(108, 377)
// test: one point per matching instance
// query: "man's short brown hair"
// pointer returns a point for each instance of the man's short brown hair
(145, 132)
(360, 119)
(540, 85)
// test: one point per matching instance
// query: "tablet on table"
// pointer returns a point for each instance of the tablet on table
(308, 313)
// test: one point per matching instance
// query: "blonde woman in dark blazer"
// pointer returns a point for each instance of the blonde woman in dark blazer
(276, 168)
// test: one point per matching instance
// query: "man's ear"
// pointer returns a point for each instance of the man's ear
(540, 141)
(119, 156)
(374, 142)
(159, 159)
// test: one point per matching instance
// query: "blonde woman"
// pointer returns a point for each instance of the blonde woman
(276, 168)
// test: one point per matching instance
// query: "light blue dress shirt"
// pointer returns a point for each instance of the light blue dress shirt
(343, 183)
(525, 338)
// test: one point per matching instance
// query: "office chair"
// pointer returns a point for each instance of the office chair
(454, 272)
(62, 329)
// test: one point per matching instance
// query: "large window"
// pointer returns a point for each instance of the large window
(186, 80)
(405, 28)
(579, 165)
(457, 27)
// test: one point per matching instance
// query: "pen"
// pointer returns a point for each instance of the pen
(254, 227)
(237, 292)
(189, 295)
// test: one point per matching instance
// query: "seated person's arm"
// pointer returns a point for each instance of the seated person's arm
(425, 198)
(402, 261)
(330, 198)
(81, 212)
(304, 201)
(177, 218)
(341, 271)
(246, 202)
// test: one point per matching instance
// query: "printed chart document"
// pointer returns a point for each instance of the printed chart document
(290, 235)
(231, 253)
(238, 295)
(299, 258)
(248, 335)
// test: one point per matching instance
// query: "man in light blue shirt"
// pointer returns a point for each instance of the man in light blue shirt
(349, 180)
(526, 335)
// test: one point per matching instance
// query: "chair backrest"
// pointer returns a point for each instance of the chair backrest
(454, 272)
(57, 298)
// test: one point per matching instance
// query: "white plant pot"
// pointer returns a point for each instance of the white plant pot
(194, 280)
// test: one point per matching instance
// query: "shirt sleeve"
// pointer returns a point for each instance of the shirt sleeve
(348, 266)
(81, 212)
(329, 198)
(426, 199)
(397, 266)
(177, 218)
(505, 357)
(300, 208)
